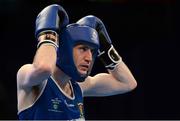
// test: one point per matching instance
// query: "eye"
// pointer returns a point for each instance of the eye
(92, 51)
(83, 48)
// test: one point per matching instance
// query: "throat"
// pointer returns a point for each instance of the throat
(67, 89)
(63, 82)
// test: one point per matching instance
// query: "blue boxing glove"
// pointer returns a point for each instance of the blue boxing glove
(107, 53)
(49, 22)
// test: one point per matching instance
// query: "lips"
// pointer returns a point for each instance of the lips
(84, 67)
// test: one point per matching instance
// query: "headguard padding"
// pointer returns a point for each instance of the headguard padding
(70, 36)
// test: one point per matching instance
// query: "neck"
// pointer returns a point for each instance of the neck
(61, 78)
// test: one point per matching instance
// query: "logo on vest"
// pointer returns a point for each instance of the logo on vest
(81, 109)
(55, 103)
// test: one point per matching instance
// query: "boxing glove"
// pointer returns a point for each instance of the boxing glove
(106, 53)
(50, 20)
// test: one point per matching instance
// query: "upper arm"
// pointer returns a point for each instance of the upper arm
(28, 76)
(102, 84)
(29, 85)
(118, 81)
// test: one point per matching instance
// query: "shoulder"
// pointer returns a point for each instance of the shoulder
(87, 84)
(92, 81)
(22, 72)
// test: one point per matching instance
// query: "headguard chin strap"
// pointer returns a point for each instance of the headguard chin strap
(70, 36)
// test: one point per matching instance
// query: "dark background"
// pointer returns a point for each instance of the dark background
(143, 32)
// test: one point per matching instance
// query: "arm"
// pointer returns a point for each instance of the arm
(47, 26)
(30, 77)
(33, 74)
(119, 79)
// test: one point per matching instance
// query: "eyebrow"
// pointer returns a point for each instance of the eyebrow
(87, 46)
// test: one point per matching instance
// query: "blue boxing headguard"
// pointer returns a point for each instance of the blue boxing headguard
(70, 36)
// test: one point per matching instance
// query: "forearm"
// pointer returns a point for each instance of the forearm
(34, 74)
(122, 74)
(45, 58)
(48, 25)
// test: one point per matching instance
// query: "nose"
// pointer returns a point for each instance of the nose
(88, 55)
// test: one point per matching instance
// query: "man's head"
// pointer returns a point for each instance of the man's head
(78, 46)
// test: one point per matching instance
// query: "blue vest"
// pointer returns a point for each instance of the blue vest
(54, 104)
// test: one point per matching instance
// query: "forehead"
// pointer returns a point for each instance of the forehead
(83, 45)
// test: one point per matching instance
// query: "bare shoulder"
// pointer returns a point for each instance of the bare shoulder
(22, 72)
(92, 83)
(87, 83)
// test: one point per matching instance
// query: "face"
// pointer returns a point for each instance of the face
(82, 55)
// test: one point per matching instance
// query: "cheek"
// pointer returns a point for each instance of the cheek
(75, 58)
(75, 61)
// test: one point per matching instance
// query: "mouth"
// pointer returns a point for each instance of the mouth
(83, 69)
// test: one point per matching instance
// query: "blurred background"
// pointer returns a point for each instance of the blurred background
(144, 32)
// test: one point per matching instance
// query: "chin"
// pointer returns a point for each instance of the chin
(83, 73)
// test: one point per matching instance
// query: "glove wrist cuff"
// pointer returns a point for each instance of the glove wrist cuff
(47, 42)
(48, 35)
(110, 58)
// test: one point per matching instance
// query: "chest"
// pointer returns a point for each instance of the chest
(68, 102)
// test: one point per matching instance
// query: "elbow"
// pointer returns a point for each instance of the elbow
(132, 85)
